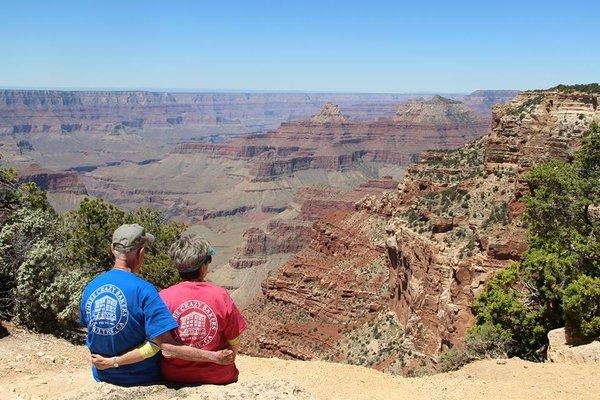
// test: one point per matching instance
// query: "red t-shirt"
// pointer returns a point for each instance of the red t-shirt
(207, 319)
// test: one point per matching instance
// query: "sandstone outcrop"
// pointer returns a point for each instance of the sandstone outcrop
(330, 113)
(562, 350)
(438, 269)
(437, 111)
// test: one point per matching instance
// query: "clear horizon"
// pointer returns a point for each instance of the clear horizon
(319, 47)
(217, 90)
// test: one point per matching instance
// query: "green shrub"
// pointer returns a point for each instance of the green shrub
(158, 267)
(487, 341)
(160, 271)
(47, 293)
(17, 237)
(9, 198)
(33, 198)
(452, 359)
(482, 341)
(581, 303)
(90, 229)
(587, 88)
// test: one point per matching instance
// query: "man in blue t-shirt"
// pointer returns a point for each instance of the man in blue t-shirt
(122, 312)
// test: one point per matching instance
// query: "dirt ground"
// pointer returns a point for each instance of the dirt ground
(42, 367)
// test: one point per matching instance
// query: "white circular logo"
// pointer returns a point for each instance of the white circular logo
(106, 310)
(198, 323)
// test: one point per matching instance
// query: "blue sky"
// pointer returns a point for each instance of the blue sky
(365, 46)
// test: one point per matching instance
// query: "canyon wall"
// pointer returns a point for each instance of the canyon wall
(420, 253)
(67, 182)
(30, 111)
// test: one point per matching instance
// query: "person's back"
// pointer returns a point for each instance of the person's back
(206, 314)
(208, 319)
(121, 311)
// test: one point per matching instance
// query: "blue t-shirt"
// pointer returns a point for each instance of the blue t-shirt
(121, 311)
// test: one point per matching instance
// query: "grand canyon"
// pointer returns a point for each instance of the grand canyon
(299, 200)
(252, 172)
(408, 263)
(350, 228)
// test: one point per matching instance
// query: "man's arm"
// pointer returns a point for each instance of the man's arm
(140, 353)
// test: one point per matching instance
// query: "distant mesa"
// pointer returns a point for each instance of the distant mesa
(329, 113)
(438, 110)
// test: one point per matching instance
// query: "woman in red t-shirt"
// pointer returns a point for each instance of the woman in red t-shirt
(206, 314)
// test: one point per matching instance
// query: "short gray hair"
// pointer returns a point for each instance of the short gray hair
(122, 254)
(189, 250)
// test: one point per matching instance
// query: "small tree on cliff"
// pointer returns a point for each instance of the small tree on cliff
(90, 230)
(158, 267)
(529, 298)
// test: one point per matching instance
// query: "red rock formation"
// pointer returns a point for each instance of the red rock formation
(452, 223)
(328, 141)
(319, 296)
(292, 235)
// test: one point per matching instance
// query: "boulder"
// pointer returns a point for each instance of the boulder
(561, 349)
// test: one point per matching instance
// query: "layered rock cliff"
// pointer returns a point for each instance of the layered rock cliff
(453, 221)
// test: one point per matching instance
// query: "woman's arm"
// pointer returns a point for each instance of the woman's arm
(234, 345)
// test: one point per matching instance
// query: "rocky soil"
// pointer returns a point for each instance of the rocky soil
(36, 367)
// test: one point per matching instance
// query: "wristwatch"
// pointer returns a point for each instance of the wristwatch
(115, 363)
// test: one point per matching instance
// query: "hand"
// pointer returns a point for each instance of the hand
(166, 353)
(101, 363)
(224, 357)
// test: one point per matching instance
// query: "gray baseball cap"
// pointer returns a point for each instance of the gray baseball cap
(129, 237)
